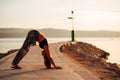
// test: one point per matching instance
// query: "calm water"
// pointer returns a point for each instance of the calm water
(111, 45)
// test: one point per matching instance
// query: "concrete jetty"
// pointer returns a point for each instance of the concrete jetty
(33, 67)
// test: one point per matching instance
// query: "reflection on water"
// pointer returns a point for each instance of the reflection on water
(110, 45)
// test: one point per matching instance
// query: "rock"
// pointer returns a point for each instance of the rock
(9, 52)
(92, 58)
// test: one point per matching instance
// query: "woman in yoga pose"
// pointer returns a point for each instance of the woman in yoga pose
(30, 40)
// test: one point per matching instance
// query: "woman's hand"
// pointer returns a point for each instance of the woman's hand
(58, 67)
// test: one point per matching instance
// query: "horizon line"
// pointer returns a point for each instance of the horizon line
(58, 29)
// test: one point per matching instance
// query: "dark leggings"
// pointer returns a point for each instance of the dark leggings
(30, 40)
(42, 43)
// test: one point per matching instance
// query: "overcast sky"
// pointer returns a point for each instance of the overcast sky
(89, 14)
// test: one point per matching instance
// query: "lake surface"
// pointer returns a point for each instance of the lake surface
(110, 45)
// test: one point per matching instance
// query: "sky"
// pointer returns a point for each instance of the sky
(38, 14)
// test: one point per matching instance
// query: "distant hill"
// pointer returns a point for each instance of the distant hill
(51, 33)
(97, 34)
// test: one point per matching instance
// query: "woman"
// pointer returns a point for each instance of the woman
(30, 40)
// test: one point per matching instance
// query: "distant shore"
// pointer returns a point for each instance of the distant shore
(56, 33)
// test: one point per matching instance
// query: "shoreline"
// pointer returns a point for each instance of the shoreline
(92, 59)
(109, 44)
(2, 55)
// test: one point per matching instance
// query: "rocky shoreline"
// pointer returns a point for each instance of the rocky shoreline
(9, 52)
(93, 59)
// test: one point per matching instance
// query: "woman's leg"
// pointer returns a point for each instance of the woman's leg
(30, 39)
(21, 53)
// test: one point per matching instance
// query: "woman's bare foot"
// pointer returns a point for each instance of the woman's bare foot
(15, 66)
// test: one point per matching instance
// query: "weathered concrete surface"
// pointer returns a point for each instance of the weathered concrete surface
(33, 67)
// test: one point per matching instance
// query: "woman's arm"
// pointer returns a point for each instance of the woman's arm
(48, 55)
